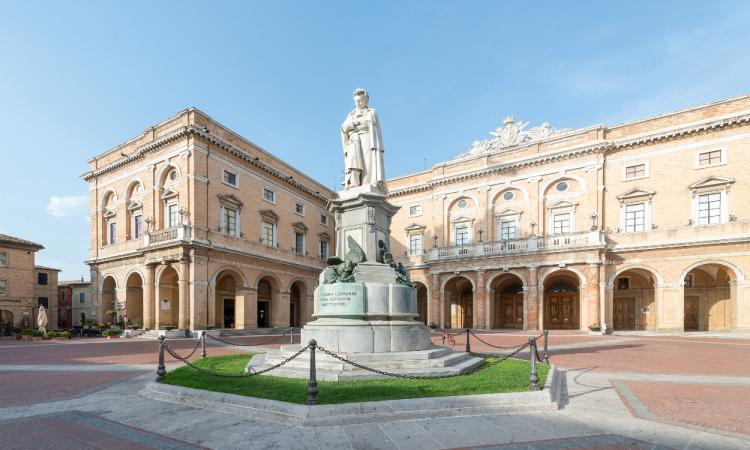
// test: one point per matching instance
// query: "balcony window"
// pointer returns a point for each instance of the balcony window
(323, 250)
(299, 243)
(461, 235)
(3, 259)
(111, 232)
(137, 226)
(229, 221)
(709, 208)
(268, 233)
(173, 214)
(561, 223)
(508, 230)
(416, 245)
(635, 217)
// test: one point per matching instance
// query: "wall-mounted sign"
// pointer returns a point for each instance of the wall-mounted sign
(646, 310)
(165, 304)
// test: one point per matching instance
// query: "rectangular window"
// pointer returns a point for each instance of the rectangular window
(269, 195)
(267, 233)
(3, 259)
(323, 219)
(81, 297)
(62, 295)
(415, 210)
(229, 178)
(709, 208)
(508, 230)
(42, 301)
(462, 235)
(299, 243)
(41, 278)
(636, 171)
(635, 217)
(172, 215)
(137, 226)
(299, 208)
(3, 287)
(623, 283)
(230, 221)
(415, 245)
(561, 223)
(112, 232)
(323, 250)
(709, 158)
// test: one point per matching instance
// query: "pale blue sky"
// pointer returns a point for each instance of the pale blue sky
(77, 78)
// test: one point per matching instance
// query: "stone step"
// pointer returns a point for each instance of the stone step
(466, 363)
(450, 359)
(431, 353)
(254, 331)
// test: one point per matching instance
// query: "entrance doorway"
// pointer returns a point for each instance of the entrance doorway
(263, 314)
(692, 307)
(624, 314)
(561, 304)
(228, 313)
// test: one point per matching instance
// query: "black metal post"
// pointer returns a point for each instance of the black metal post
(534, 378)
(545, 358)
(468, 344)
(160, 369)
(312, 385)
(203, 344)
(443, 337)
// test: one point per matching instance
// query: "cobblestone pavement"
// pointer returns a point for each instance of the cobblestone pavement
(627, 391)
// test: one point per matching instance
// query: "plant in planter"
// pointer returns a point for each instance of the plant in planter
(90, 323)
(111, 333)
(135, 324)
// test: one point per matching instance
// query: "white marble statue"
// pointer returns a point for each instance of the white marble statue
(363, 145)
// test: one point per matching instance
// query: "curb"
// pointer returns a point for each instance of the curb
(366, 412)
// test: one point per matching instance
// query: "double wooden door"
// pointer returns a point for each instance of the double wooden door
(511, 311)
(624, 314)
(561, 312)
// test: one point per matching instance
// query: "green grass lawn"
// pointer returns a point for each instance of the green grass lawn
(511, 375)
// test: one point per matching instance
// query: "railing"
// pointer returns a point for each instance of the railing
(524, 245)
(179, 232)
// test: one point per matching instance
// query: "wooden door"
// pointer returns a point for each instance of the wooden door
(562, 311)
(691, 313)
(511, 311)
(624, 314)
(718, 314)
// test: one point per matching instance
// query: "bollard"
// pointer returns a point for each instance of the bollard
(291, 335)
(534, 378)
(312, 385)
(203, 344)
(160, 369)
(545, 359)
(468, 345)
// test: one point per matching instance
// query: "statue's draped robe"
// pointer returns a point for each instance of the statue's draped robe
(363, 147)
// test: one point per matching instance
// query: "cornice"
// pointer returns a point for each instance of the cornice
(193, 130)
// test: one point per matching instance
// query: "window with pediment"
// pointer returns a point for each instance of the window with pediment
(229, 215)
(635, 210)
(711, 200)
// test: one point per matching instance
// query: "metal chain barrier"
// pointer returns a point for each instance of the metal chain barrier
(197, 344)
(247, 345)
(493, 346)
(174, 354)
(422, 377)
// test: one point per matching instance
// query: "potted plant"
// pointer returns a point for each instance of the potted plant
(111, 333)
(17, 332)
(90, 323)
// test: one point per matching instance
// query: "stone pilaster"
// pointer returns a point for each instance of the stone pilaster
(183, 322)
(211, 305)
(480, 302)
(245, 308)
(592, 296)
(148, 296)
(435, 306)
(531, 300)
(670, 307)
(280, 310)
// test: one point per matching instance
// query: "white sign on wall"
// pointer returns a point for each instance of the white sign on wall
(166, 305)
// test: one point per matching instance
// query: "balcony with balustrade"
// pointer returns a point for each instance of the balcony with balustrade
(529, 245)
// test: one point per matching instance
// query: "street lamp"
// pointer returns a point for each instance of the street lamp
(594, 215)
(480, 230)
(434, 239)
(532, 224)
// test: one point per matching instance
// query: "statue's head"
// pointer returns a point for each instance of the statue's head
(360, 98)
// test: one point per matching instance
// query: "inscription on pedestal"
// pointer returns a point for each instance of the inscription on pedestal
(340, 299)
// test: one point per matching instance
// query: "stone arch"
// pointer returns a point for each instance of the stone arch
(131, 186)
(168, 300)
(268, 293)
(453, 204)
(738, 275)
(134, 298)
(423, 297)
(458, 292)
(300, 308)
(655, 273)
(233, 269)
(561, 303)
(108, 295)
(581, 183)
(453, 277)
(498, 199)
(710, 295)
(229, 299)
(162, 174)
(507, 295)
(105, 196)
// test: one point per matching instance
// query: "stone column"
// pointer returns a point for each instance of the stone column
(148, 296)
(592, 296)
(480, 302)
(740, 293)
(606, 311)
(280, 310)
(183, 322)
(240, 308)
(531, 300)
(434, 308)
